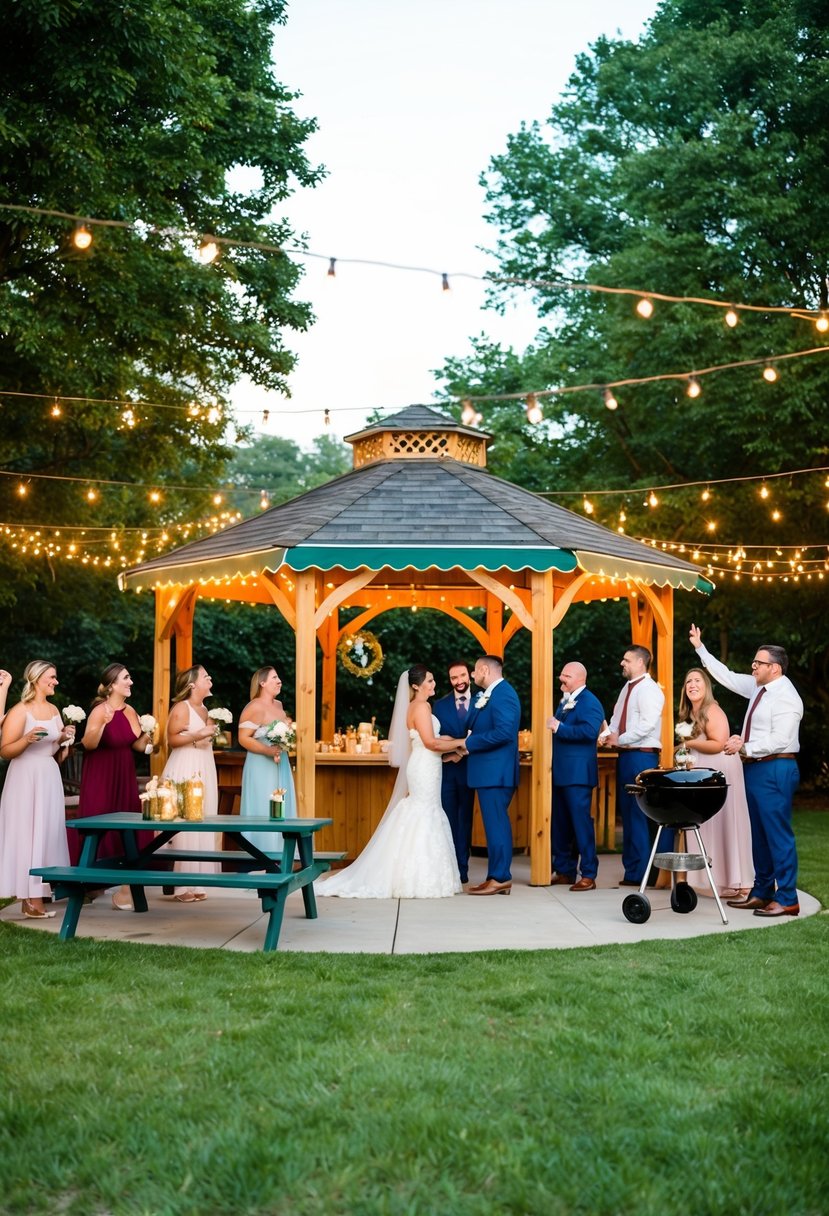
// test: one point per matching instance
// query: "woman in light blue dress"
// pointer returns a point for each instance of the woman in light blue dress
(266, 766)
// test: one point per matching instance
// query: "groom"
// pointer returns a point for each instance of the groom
(492, 768)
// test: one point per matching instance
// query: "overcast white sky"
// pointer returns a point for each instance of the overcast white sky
(412, 97)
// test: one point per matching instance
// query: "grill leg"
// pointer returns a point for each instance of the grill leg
(650, 864)
(714, 890)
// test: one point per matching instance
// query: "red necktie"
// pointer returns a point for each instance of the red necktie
(754, 704)
(623, 717)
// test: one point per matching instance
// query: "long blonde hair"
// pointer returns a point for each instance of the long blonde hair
(258, 679)
(184, 683)
(686, 713)
(33, 672)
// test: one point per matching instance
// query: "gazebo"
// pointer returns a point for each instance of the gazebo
(418, 523)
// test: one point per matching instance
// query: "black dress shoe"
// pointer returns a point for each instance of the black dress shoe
(630, 882)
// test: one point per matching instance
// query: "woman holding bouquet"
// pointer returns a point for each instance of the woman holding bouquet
(266, 764)
(190, 731)
(727, 836)
(32, 831)
(108, 780)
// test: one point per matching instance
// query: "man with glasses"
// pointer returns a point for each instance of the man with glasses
(768, 746)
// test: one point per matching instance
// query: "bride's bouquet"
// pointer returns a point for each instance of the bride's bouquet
(277, 734)
(684, 731)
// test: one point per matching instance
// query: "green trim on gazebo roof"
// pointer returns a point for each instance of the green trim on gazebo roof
(429, 557)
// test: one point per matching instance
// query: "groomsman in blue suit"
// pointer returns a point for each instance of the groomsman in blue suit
(492, 768)
(575, 726)
(454, 712)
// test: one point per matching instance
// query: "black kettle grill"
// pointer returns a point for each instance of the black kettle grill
(681, 799)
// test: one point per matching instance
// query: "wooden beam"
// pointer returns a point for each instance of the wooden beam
(340, 594)
(328, 636)
(541, 792)
(306, 687)
(161, 674)
(280, 598)
(507, 596)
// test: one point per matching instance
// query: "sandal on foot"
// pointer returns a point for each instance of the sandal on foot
(187, 897)
(33, 913)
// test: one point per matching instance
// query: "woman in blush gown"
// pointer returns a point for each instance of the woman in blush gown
(32, 827)
(266, 766)
(411, 854)
(726, 836)
(190, 732)
(108, 781)
(5, 685)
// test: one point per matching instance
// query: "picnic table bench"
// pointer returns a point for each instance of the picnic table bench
(275, 879)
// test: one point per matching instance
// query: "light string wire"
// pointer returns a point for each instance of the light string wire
(497, 280)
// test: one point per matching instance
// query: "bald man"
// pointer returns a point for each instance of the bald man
(575, 726)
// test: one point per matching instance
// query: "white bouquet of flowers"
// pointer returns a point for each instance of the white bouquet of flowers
(221, 715)
(279, 734)
(684, 730)
(73, 714)
(148, 724)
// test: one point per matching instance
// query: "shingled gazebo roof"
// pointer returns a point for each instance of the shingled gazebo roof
(419, 497)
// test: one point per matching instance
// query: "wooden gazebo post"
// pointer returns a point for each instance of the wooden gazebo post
(541, 791)
(306, 681)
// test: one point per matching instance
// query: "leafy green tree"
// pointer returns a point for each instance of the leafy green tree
(135, 114)
(693, 162)
(283, 469)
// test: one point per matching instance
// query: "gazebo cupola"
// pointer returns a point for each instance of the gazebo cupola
(417, 433)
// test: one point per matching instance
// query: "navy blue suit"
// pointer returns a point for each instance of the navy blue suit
(457, 798)
(492, 770)
(575, 776)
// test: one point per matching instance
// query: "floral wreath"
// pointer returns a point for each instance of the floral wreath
(360, 654)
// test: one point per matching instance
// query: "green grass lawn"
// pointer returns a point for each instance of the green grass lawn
(655, 1078)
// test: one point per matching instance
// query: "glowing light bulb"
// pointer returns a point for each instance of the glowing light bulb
(711, 525)
(776, 515)
(264, 501)
(534, 411)
(822, 323)
(706, 494)
(81, 237)
(609, 400)
(770, 374)
(694, 388)
(731, 318)
(645, 308)
(208, 251)
(622, 517)
(91, 494)
(653, 501)
(22, 490)
(217, 500)
(588, 506)
(154, 496)
(56, 411)
(764, 491)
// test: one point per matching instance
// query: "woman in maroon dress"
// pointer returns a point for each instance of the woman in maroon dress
(108, 780)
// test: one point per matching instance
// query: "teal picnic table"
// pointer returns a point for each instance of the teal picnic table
(275, 877)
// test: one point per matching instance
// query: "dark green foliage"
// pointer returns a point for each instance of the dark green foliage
(692, 162)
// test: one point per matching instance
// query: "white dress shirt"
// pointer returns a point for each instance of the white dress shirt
(643, 723)
(776, 719)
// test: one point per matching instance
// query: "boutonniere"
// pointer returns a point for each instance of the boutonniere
(569, 703)
(482, 700)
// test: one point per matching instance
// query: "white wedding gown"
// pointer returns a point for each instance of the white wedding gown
(411, 854)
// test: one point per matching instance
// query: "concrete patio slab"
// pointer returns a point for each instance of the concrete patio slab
(531, 918)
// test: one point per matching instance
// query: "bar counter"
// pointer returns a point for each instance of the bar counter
(353, 791)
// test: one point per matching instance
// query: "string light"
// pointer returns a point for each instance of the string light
(22, 490)
(653, 501)
(645, 308)
(588, 506)
(264, 501)
(326, 417)
(265, 417)
(56, 411)
(91, 494)
(217, 500)
(694, 389)
(444, 281)
(610, 401)
(534, 412)
(208, 251)
(706, 494)
(129, 419)
(332, 268)
(822, 323)
(770, 374)
(154, 496)
(764, 490)
(731, 319)
(81, 237)
(776, 515)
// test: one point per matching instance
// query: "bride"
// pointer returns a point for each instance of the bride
(411, 854)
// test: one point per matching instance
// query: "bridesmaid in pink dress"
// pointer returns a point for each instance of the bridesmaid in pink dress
(727, 837)
(108, 780)
(32, 830)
